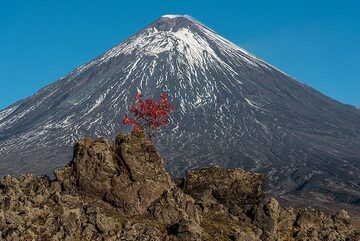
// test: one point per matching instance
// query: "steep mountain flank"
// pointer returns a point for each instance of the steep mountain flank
(120, 191)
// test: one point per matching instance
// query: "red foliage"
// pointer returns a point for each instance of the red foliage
(150, 114)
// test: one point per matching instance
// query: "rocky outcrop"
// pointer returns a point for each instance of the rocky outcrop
(129, 173)
(226, 186)
(120, 191)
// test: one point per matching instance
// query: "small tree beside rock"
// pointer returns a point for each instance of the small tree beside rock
(149, 115)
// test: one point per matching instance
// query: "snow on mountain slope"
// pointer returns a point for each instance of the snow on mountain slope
(232, 109)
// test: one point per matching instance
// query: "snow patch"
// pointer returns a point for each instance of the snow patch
(172, 16)
(7, 112)
(252, 104)
(98, 101)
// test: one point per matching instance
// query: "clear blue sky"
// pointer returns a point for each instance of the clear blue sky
(317, 42)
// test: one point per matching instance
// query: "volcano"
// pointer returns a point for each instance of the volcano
(232, 109)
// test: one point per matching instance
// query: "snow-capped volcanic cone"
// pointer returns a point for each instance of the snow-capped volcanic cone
(232, 109)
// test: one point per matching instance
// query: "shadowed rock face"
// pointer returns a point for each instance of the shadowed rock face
(120, 191)
(129, 173)
(226, 186)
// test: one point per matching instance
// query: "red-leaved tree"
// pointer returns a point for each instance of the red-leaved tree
(149, 115)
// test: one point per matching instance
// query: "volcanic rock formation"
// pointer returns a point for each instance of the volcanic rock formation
(120, 191)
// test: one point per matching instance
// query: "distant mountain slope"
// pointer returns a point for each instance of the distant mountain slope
(231, 108)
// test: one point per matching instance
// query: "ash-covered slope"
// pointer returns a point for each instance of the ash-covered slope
(231, 108)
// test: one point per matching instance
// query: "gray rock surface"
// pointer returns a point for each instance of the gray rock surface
(98, 196)
(129, 173)
(226, 186)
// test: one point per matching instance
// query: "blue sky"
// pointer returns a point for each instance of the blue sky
(317, 42)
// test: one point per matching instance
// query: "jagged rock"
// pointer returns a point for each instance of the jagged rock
(273, 209)
(242, 236)
(344, 216)
(140, 232)
(120, 191)
(174, 205)
(71, 219)
(226, 186)
(129, 174)
(88, 231)
(104, 223)
(178, 212)
(188, 230)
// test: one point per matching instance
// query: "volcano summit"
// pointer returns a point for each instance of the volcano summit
(232, 109)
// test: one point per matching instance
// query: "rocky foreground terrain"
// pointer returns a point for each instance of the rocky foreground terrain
(121, 191)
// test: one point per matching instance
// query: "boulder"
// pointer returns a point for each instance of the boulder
(229, 187)
(129, 174)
